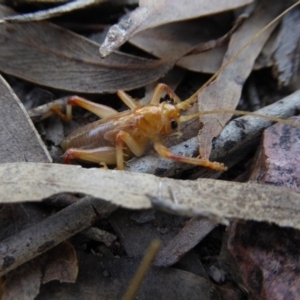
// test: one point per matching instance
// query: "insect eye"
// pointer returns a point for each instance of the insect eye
(173, 124)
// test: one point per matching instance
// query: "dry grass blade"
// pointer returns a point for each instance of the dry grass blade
(142, 270)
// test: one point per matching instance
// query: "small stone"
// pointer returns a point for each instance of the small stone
(105, 273)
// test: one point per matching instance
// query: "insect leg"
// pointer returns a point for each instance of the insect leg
(98, 155)
(127, 100)
(56, 109)
(166, 153)
(160, 88)
(136, 147)
(99, 110)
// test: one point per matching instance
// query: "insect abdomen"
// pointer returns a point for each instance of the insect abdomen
(88, 137)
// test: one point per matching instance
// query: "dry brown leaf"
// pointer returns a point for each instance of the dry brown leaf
(109, 277)
(206, 197)
(19, 138)
(58, 58)
(149, 225)
(135, 237)
(154, 13)
(206, 62)
(62, 264)
(225, 91)
(175, 39)
(24, 282)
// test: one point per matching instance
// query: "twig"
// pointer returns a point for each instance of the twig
(43, 236)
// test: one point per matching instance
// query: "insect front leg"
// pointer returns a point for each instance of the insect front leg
(166, 153)
(127, 100)
(136, 147)
(160, 88)
(100, 110)
(99, 155)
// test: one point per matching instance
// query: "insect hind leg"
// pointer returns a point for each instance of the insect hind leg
(136, 147)
(166, 153)
(99, 155)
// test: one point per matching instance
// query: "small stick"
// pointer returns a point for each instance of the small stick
(142, 270)
(44, 235)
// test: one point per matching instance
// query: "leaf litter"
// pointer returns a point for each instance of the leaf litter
(143, 189)
(151, 14)
(19, 140)
(231, 80)
(186, 42)
(263, 204)
(53, 12)
(72, 61)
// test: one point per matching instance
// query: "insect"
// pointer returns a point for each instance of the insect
(119, 136)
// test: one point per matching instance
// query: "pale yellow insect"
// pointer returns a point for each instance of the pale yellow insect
(119, 136)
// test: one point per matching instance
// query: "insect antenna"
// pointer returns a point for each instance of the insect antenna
(185, 104)
(240, 113)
